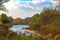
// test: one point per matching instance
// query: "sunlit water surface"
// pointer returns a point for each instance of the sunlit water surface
(18, 28)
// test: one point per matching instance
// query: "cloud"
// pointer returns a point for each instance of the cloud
(32, 1)
(54, 2)
(15, 11)
(17, 8)
(34, 4)
(37, 1)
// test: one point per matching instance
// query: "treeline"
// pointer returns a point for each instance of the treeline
(20, 21)
(47, 23)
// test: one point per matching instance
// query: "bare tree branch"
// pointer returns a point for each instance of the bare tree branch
(2, 7)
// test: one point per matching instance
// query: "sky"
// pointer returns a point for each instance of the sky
(27, 8)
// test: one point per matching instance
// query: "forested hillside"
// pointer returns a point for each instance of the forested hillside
(47, 23)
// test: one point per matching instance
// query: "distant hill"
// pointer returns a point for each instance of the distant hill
(19, 21)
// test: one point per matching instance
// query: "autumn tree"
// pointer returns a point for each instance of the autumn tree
(46, 17)
(17, 21)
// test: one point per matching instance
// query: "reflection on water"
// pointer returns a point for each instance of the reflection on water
(19, 28)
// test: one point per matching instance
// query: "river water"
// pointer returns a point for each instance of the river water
(19, 28)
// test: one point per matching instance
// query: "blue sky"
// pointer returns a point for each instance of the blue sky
(27, 8)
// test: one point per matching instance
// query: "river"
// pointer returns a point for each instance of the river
(18, 28)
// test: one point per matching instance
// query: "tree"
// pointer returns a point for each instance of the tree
(57, 6)
(2, 7)
(48, 21)
(5, 21)
(47, 16)
(10, 19)
(5, 24)
(33, 23)
(17, 21)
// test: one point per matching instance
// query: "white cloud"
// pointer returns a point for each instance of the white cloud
(33, 7)
(27, 4)
(54, 1)
(34, 1)
(37, 1)
(15, 11)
